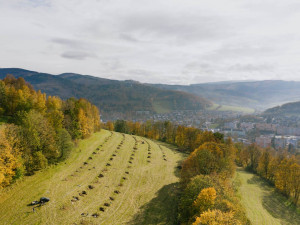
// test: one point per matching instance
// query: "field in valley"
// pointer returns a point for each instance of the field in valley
(110, 178)
(263, 205)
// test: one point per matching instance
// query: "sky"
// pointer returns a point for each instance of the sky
(157, 41)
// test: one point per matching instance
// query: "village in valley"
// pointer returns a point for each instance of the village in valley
(278, 132)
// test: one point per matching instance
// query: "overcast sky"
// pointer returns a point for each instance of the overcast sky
(154, 41)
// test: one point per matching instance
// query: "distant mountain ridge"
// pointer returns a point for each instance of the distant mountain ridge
(255, 94)
(110, 95)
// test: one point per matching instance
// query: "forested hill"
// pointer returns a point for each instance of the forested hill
(286, 109)
(254, 94)
(110, 95)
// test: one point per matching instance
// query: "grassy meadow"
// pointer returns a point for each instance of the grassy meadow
(263, 205)
(137, 185)
(218, 107)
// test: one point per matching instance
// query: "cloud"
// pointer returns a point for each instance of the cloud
(170, 41)
(76, 55)
(251, 67)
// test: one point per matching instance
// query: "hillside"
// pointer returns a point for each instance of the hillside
(285, 109)
(254, 94)
(123, 185)
(110, 95)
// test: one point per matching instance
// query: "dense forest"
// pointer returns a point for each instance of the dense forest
(208, 194)
(38, 130)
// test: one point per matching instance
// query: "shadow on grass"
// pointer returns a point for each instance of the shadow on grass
(160, 210)
(275, 203)
(278, 207)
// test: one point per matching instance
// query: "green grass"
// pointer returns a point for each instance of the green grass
(231, 108)
(148, 195)
(263, 205)
(162, 106)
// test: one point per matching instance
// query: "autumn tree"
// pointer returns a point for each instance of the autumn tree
(205, 199)
(216, 217)
(9, 156)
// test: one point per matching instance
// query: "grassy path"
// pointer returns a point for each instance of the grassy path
(138, 185)
(263, 205)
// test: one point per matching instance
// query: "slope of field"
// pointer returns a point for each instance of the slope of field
(245, 110)
(263, 205)
(110, 178)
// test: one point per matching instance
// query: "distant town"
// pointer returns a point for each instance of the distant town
(278, 132)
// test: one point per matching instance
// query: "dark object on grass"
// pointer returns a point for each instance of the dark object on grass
(91, 187)
(83, 192)
(124, 178)
(84, 214)
(131, 158)
(97, 148)
(85, 163)
(117, 192)
(148, 161)
(111, 198)
(33, 203)
(149, 157)
(111, 159)
(95, 215)
(113, 154)
(165, 159)
(106, 204)
(108, 164)
(179, 167)
(130, 162)
(102, 209)
(94, 153)
(127, 172)
(101, 175)
(43, 200)
(90, 158)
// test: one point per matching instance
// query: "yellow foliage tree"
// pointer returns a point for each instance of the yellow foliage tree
(206, 199)
(216, 217)
(8, 158)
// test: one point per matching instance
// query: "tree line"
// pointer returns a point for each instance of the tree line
(208, 194)
(38, 129)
